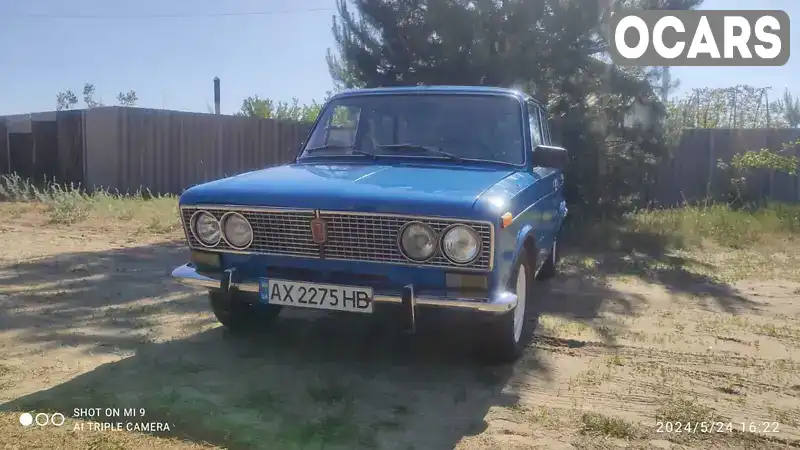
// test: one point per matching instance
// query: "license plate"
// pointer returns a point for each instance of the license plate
(318, 296)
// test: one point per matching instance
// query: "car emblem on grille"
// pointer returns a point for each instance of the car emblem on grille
(319, 230)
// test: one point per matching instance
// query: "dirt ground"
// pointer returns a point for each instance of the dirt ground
(627, 346)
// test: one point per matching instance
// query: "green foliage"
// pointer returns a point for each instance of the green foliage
(88, 96)
(740, 106)
(743, 166)
(127, 98)
(254, 106)
(765, 159)
(67, 99)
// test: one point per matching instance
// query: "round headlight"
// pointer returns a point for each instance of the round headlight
(461, 244)
(417, 241)
(205, 228)
(236, 230)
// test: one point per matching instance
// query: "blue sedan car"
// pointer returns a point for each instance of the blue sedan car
(412, 198)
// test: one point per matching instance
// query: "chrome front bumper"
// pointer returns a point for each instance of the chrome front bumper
(498, 303)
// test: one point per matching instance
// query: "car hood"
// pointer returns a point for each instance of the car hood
(401, 189)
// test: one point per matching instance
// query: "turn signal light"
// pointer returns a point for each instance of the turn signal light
(506, 219)
(206, 259)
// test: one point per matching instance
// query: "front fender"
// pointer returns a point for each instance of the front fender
(525, 234)
(516, 244)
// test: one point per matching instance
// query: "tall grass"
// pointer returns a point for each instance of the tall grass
(721, 224)
(692, 226)
(69, 204)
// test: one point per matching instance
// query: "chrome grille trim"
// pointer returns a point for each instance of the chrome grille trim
(352, 236)
(348, 231)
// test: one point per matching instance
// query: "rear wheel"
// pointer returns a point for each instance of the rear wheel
(241, 314)
(509, 333)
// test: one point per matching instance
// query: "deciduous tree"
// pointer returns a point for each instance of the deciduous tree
(68, 99)
(254, 106)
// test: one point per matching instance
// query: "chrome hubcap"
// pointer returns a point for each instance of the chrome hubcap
(519, 311)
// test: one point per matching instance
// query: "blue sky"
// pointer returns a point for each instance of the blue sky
(171, 61)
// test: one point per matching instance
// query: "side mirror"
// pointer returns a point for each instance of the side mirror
(550, 157)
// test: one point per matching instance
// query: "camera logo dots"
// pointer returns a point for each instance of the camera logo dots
(41, 419)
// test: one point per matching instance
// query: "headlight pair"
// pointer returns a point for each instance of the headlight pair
(234, 228)
(460, 243)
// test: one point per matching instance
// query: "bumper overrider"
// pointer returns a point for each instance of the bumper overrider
(497, 303)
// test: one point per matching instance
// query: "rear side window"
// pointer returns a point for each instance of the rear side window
(545, 127)
(535, 125)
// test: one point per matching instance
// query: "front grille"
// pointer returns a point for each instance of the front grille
(355, 237)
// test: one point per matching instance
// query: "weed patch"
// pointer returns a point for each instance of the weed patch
(599, 424)
(686, 411)
(70, 204)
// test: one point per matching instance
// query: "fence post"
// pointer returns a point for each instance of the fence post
(5, 152)
(711, 162)
(797, 175)
(766, 94)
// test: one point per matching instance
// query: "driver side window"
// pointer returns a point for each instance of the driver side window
(340, 127)
(535, 125)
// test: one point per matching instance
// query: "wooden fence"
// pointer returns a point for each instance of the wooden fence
(692, 172)
(69, 154)
(4, 163)
(126, 149)
(169, 151)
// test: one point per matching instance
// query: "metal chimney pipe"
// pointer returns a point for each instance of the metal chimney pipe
(216, 95)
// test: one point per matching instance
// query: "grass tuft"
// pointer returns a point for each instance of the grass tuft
(599, 424)
(686, 411)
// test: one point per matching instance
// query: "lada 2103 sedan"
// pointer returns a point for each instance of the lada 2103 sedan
(419, 197)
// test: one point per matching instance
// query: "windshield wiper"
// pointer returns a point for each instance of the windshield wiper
(341, 147)
(425, 148)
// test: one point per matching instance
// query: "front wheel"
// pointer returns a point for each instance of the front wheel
(550, 266)
(509, 333)
(237, 314)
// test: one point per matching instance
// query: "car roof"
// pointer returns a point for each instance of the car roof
(438, 89)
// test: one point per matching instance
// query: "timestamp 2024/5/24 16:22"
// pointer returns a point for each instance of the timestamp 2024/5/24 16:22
(717, 427)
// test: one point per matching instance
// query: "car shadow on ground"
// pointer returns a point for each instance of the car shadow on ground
(71, 298)
(648, 257)
(312, 380)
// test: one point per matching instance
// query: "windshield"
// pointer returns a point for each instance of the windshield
(428, 125)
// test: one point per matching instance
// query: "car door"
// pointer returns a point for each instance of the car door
(550, 180)
(559, 201)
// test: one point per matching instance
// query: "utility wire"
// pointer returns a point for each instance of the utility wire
(164, 16)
